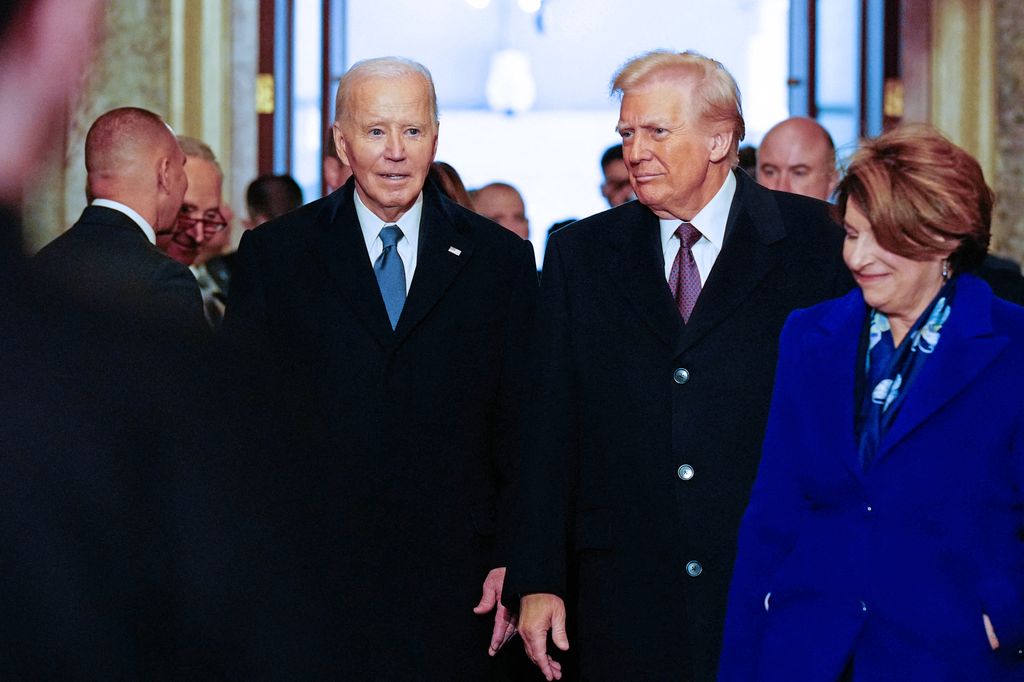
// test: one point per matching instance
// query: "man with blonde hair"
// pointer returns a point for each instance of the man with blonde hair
(658, 327)
(383, 328)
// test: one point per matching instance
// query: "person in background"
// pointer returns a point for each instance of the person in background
(450, 183)
(748, 160)
(96, 469)
(137, 180)
(201, 215)
(861, 557)
(616, 188)
(658, 324)
(201, 232)
(271, 196)
(503, 204)
(798, 155)
(336, 171)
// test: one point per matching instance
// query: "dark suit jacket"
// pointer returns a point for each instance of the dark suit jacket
(104, 507)
(105, 261)
(383, 477)
(629, 395)
(891, 566)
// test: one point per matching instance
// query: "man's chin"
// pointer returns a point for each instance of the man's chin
(186, 258)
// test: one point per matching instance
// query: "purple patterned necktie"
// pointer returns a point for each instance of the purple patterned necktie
(684, 279)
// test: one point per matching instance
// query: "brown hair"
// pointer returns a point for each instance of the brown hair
(448, 181)
(920, 191)
(715, 90)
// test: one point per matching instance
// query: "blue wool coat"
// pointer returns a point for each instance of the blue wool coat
(892, 567)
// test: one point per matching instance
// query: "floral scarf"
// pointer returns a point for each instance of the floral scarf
(889, 371)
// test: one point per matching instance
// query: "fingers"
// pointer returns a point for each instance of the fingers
(487, 601)
(993, 641)
(539, 613)
(558, 635)
(504, 629)
(491, 595)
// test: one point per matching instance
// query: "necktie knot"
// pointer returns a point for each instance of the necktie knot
(688, 235)
(390, 234)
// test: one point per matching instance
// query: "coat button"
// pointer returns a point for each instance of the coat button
(693, 568)
(681, 375)
(685, 472)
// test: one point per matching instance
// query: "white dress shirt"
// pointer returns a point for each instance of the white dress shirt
(710, 222)
(407, 246)
(131, 213)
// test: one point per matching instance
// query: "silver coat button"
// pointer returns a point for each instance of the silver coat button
(693, 568)
(681, 375)
(685, 472)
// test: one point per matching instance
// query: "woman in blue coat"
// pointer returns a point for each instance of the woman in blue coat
(884, 539)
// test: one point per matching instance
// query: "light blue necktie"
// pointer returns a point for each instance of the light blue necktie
(391, 273)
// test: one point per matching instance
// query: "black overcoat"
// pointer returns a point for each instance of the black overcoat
(649, 433)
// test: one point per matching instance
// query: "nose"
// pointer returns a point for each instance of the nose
(857, 252)
(784, 183)
(635, 150)
(394, 150)
(196, 232)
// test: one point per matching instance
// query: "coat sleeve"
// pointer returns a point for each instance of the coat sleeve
(1002, 590)
(541, 494)
(773, 517)
(518, 362)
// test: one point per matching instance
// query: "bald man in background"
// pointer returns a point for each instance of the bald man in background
(503, 204)
(136, 184)
(798, 156)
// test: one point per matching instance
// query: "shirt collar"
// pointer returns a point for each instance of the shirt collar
(710, 220)
(371, 225)
(131, 213)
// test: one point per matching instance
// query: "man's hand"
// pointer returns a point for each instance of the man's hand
(993, 641)
(504, 620)
(539, 613)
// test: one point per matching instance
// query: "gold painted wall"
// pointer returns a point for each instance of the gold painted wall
(976, 96)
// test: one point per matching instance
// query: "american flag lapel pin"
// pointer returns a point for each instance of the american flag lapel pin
(452, 249)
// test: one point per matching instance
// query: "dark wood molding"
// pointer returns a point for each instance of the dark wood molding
(265, 62)
(915, 35)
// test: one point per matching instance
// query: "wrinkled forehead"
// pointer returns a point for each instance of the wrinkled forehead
(204, 184)
(371, 96)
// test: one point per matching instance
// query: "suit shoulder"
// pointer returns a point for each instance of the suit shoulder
(600, 225)
(294, 226)
(485, 231)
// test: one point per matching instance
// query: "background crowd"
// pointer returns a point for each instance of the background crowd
(745, 427)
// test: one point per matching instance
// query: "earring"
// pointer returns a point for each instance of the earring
(945, 271)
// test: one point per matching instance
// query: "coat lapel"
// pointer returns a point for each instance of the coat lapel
(342, 252)
(444, 250)
(833, 356)
(754, 223)
(640, 274)
(967, 345)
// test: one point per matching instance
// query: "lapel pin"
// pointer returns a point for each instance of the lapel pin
(452, 249)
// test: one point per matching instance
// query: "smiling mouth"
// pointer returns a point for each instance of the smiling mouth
(393, 176)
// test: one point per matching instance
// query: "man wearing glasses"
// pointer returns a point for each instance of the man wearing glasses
(201, 228)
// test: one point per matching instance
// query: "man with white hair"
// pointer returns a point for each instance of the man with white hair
(659, 322)
(382, 327)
